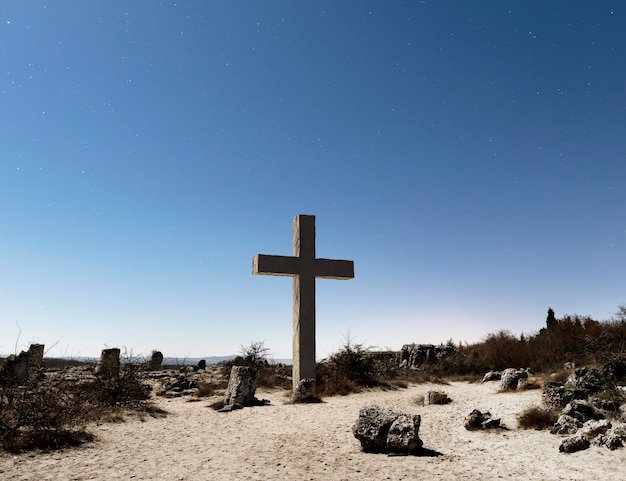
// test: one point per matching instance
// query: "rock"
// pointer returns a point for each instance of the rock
(415, 355)
(35, 356)
(383, 430)
(573, 444)
(109, 365)
(593, 428)
(241, 386)
(613, 438)
(615, 370)
(17, 370)
(566, 425)
(479, 420)
(156, 361)
(581, 410)
(436, 397)
(511, 378)
(305, 392)
(556, 396)
(492, 376)
(201, 364)
(586, 378)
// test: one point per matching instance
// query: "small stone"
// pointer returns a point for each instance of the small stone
(573, 444)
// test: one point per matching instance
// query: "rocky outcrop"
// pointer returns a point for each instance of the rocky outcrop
(415, 355)
(178, 387)
(383, 430)
(585, 400)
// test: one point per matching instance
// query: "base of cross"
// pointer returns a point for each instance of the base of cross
(305, 392)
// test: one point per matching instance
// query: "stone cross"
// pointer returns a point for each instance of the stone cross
(304, 267)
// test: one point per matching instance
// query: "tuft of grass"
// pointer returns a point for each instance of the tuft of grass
(536, 417)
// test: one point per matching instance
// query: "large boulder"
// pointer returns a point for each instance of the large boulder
(512, 378)
(384, 430)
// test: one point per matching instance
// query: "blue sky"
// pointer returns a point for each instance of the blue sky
(470, 157)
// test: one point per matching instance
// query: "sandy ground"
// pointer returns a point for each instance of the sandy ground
(315, 442)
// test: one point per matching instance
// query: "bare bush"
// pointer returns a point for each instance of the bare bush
(537, 418)
(41, 415)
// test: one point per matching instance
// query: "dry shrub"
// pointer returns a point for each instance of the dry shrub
(207, 389)
(537, 418)
(41, 415)
(258, 356)
(349, 370)
(48, 412)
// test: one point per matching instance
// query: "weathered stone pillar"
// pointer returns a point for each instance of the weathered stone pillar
(156, 361)
(16, 370)
(241, 386)
(109, 366)
(35, 356)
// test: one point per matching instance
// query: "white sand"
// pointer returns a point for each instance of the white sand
(315, 442)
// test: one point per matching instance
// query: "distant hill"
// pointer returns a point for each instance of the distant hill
(52, 362)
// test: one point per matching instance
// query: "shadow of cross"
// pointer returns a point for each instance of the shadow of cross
(304, 267)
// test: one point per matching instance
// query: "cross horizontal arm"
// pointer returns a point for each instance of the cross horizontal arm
(334, 269)
(263, 264)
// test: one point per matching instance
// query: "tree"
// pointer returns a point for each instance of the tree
(551, 321)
